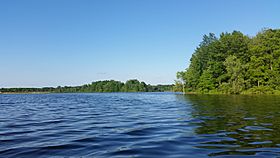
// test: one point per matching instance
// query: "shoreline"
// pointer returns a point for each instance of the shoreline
(241, 94)
(77, 92)
(186, 93)
(24, 92)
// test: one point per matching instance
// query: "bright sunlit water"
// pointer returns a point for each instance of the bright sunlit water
(138, 125)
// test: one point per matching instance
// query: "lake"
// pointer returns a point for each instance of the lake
(139, 125)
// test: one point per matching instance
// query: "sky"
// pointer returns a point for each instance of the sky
(73, 42)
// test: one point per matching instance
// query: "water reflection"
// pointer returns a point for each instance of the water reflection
(237, 125)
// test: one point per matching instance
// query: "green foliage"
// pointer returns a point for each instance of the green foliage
(98, 86)
(27, 90)
(133, 86)
(235, 64)
(260, 90)
(206, 82)
(234, 69)
(178, 87)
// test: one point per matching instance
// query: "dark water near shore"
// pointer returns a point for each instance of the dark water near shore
(139, 125)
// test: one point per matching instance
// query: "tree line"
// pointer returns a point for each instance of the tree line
(98, 86)
(234, 63)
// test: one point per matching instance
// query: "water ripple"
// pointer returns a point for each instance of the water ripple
(138, 125)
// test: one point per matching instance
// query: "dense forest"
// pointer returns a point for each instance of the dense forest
(99, 86)
(234, 63)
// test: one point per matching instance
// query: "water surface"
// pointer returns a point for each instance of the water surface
(139, 125)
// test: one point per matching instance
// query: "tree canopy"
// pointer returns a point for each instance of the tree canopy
(234, 63)
(98, 86)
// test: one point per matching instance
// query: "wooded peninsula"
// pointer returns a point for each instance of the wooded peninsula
(98, 86)
(234, 63)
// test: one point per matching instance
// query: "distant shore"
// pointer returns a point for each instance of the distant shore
(78, 92)
(24, 92)
(132, 85)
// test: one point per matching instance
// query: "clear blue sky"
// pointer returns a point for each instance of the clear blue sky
(73, 42)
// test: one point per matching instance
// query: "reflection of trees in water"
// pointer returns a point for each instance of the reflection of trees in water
(235, 122)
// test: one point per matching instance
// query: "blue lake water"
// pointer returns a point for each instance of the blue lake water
(139, 125)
